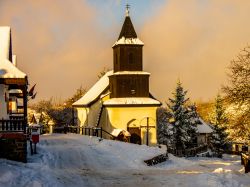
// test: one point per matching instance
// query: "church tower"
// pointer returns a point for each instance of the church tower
(128, 79)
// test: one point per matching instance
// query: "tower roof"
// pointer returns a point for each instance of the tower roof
(128, 35)
(128, 30)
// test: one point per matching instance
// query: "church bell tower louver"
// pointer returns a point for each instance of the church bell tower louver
(128, 79)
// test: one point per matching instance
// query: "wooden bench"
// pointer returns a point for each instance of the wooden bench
(245, 160)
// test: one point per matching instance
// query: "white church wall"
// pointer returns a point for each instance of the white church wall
(119, 118)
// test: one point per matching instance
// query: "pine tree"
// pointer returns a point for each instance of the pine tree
(181, 119)
(219, 134)
(164, 128)
(193, 122)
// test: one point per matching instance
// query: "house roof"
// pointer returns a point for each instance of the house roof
(7, 68)
(5, 42)
(203, 127)
(95, 91)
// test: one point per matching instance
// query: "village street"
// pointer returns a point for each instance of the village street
(75, 160)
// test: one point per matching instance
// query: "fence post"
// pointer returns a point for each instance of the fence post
(101, 132)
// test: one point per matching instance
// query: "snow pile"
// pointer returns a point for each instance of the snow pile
(76, 160)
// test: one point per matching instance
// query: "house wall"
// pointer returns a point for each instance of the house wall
(202, 139)
(3, 104)
(124, 117)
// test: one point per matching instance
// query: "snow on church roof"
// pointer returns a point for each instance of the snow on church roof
(131, 101)
(131, 73)
(95, 91)
(7, 68)
(203, 127)
(128, 41)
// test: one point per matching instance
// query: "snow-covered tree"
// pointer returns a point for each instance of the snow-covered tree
(238, 95)
(164, 128)
(219, 135)
(192, 127)
(180, 118)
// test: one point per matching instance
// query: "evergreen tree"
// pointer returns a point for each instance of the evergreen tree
(164, 131)
(192, 127)
(219, 134)
(181, 120)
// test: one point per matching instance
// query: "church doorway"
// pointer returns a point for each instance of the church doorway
(135, 135)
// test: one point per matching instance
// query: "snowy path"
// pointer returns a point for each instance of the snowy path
(74, 160)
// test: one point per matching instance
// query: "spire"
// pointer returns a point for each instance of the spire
(127, 10)
(128, 30)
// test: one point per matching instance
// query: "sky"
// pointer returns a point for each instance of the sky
(63, 44)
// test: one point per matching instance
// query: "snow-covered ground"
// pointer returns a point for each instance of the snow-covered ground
(75, 160)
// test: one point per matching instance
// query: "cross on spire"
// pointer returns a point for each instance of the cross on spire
(127, 10)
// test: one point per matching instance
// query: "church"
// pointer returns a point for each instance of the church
(120, 101)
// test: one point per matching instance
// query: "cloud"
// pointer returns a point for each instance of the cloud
(194, 40)
(64, 44)
(59, 44)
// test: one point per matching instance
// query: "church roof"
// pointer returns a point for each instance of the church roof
(95, 91)
(128, 35)
(131, 101)
(128, 30)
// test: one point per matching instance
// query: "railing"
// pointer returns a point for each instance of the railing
(12, 125)
(188, 152)
(88, 131)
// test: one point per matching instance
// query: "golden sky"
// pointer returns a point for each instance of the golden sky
(62, 45)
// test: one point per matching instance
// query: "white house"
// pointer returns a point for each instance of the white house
(13, 82)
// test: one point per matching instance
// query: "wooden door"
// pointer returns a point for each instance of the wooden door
(135, 135)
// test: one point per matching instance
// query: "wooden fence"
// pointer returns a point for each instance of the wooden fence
(13, 125)
(188, 152)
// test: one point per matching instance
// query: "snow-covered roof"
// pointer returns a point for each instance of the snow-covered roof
(8, 70)
(128, 41)
(4, 42)
(116, 132)
(203, 127)
(15, 91)
(131, 101)
(131, 73)
(95, 91)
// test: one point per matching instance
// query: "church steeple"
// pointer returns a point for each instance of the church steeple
(128, 30)
(128, 79)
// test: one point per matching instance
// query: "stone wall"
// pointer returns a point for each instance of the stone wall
(13, 146)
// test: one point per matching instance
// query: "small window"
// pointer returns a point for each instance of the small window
(133, 92)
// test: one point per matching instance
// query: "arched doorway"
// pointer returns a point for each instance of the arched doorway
(135, 132)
